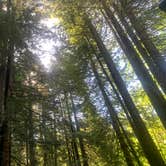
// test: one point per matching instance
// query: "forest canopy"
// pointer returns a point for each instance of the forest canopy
(82, 83)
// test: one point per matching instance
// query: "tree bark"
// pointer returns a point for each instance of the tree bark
(7, 56)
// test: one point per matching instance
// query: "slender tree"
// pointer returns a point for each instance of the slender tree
(74, 142)
(82, 147)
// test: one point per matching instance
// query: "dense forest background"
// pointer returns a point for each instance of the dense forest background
(82, 83)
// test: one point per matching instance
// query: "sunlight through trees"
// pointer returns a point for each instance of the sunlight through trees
(82, 83)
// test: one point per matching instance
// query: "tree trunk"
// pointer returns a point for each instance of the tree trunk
(111, 84)
(114, 118)
(7, 57)
(148, 84)
(26, 143)
(44, 137)
(67, 142)
(2, 110)
(2, 92)
(72, 129)
(83, 152)
(124, 108)
(155, 70)
(5, 119)
(68, 151)
(32, 159)
(145, 39)
(139, 128)
(55, 139)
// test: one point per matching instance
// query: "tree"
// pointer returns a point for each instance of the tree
(94, 105)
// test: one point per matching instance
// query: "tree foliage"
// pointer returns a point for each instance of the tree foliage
(102, 100)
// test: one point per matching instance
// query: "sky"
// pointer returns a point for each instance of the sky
(48, 45)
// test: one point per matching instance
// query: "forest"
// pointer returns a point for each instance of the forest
(82, 83)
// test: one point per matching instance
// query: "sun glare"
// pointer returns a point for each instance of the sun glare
(48, 50)
(47, 46)
(47, 60)
(50, 22)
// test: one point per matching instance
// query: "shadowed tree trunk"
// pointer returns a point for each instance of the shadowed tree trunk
(111, 83)
(114, 118)
(6, 89)
(148, 84)
(6, 65)
(155, 70)
(82, 148)
(72, 129)
(147, 144)
(2, 89)
(55, 156)
(69, 153)
(124, 108)
(32, 159)
(144, 37)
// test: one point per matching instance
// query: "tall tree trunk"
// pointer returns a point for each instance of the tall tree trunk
(5, 144)
(26, 143)
(111, 83)
(144, 37)
(74, 142)
(2, 92)
(67, 141)
(155, 70)
(114, 118)
(44, 137)
(83, 152)
(124, 108)
(55, 139)
(32, 159)
(5, 83)
(139, 128)
(2, 108)
(68, 151)
(148, 84)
